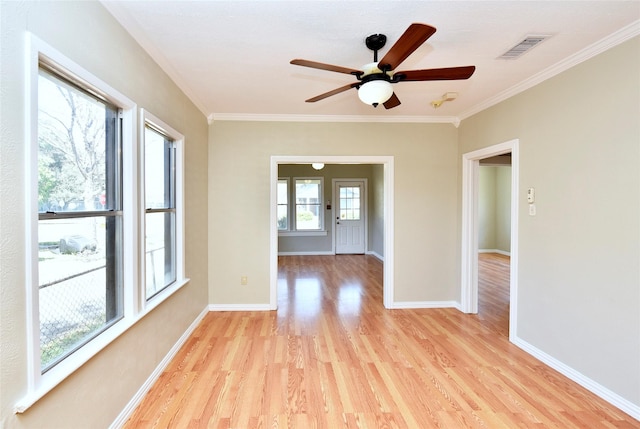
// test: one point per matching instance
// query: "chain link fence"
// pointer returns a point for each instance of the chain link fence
(72, 308)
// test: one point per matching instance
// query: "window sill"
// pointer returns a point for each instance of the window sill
(302, 233)
(73, 362)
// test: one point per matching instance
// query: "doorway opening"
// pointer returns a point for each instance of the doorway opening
(470, 228)
(388, 176)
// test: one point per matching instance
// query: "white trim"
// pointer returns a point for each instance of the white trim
(376, 254)
(146, 386)
(161, 297)
(498, 251)
(388, 289)
(240, 307)
(40, 384)
(250, 117)
(302, 233)
(311, 253)
(408, 305)
(388, 163)
(32, 45)
(596, 48)
(469, 257)
(594, 387)
(127, 21)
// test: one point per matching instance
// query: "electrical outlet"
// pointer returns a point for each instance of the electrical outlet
(244, 280)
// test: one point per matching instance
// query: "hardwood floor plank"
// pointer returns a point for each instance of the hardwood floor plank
(332, 357)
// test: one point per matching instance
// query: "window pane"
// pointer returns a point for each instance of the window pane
(308, 217)
(79, 258)
(77, 290)
(283, 204)
(350, 202)
(308, 204)
(283, 198)
(159, 170)
(71, 141)
(283, 221)
(160, 251)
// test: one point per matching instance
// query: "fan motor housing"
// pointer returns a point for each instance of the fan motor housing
(375, 42)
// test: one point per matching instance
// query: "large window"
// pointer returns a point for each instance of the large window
(308, 197)
(105, 226)
(79, 216)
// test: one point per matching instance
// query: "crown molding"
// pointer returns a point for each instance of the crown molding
(249, 117)
(132, 27)
(614, 39)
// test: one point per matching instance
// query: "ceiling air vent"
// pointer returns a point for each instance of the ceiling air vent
(524, 46)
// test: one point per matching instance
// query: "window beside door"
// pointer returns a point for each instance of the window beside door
(306, 196)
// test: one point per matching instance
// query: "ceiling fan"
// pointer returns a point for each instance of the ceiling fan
(375, 79)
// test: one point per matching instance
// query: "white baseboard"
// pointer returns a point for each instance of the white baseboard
(406, 305)
(594, 387)
(240, 307)
(312, 253)
(376, 254)
(498, 251)
(144, 389)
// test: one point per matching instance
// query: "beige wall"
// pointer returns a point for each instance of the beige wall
(578, 278)
(487, 208)
(96, 393)
(425, 193)
(494, 208)
(503, 209)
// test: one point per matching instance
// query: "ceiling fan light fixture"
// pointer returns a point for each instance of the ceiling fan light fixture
(375, 92)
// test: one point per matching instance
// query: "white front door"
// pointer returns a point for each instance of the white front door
(349, 216)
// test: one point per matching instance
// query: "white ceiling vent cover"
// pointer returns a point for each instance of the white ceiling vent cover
(525, 45)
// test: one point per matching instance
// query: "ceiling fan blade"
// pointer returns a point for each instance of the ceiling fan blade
(411, 39)
(394, 101)
(323, 66)
(330, 93)
(449, 73)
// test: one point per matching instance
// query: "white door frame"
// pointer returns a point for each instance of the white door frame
(469, 262)
(388, 271)
(363, 209)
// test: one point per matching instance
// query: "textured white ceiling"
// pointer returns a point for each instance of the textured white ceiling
(232, 57)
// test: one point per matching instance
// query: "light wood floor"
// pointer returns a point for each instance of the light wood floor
(333, 357)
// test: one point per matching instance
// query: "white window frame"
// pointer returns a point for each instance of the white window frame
(178, 140)
(294, 204)
(288, 180)
(135, 307)
(291, 210)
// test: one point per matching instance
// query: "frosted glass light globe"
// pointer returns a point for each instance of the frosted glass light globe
(375, 92)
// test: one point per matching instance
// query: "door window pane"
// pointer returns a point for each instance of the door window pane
(350, 202)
